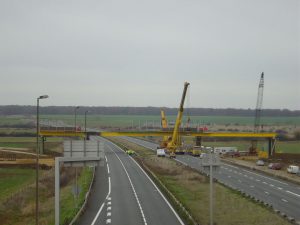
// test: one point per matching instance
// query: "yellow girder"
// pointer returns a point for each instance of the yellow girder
(158, 133)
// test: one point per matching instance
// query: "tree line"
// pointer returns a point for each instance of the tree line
(117, 110)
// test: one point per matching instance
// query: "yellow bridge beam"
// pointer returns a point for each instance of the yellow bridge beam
(158, 133)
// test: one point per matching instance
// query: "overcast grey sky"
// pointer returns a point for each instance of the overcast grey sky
(139, 53)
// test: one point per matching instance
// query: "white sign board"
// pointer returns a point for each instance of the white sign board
(83, 149)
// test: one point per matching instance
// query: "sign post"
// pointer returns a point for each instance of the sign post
(77, 154)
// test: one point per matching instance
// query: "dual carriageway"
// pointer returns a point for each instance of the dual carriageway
(124, 194)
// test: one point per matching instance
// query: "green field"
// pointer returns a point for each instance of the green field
(136, 120)
(11, 180)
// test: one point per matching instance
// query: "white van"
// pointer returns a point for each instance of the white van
(160, 152)
(225, 150)
(293, 169)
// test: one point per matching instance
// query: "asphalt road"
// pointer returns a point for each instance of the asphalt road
(124, 194)
(282, 195)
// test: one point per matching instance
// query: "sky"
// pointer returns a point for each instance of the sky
(140, 53)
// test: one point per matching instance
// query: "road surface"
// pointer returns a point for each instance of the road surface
(123, 194)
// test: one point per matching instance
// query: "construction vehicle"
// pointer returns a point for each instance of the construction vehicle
(257, 125)
(174, 146)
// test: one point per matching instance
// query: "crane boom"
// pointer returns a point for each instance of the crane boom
(258, 109)
(259, 104)
(173, 143)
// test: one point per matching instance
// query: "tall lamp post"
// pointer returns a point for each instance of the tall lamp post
(37, 159)
(85, 120)
(75, 114)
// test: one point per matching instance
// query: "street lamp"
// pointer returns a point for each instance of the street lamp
(75, 112)
(85, 120)
(37, 159)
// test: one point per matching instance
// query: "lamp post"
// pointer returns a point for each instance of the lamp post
(85, 120)
(37, 159)
(75, 112)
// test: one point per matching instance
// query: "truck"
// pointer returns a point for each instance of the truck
(225, 150)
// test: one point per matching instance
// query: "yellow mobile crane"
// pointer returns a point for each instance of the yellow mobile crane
(173, 145)
(164, 125)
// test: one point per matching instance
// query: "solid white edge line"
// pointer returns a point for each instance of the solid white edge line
(167, 202)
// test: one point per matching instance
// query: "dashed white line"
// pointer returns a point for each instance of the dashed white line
(108, 221)
(257, 180)
(265, 182)
(267, 192)
(271, 185)
(170, 206)
(107, 168)
(108, 214)
(99, 211)
(252, 186)
(284, 200)
(293, 193)
(279, 188)
(232, 166)
(133, 189)
(265, 177)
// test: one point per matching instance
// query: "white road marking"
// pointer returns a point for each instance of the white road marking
(108, 214)
(267, 192)
(99, 211)
(293, 193)
(108, 203)
(109, 208)
(265, 177)
(252, 186)
(107, 168)
(109, 199)
(271, 185)
(108, 221)
(265, 182)
(257, 180)
(245, 175)
(172, 209)
(232, 166)
(105, 159)
(133, 189)
(284, 200)
(279, 188)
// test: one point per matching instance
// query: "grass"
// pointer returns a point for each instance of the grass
(137, 120)
(12, 179)
(192, 190)
(68, 203)
(20, 208)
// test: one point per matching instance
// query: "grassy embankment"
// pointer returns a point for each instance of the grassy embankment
(192, 190)
(17, 199)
